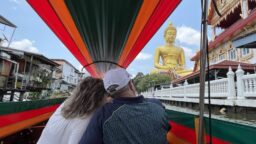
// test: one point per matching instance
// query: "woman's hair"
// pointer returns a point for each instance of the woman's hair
(86, 97)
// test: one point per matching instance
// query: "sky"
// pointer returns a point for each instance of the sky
(33, 35)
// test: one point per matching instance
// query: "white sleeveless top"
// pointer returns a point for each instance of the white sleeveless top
(59, 130)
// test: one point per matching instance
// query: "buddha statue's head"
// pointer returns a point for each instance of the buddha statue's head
(170, 33)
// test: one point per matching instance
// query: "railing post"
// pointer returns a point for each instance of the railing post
(171, 86)
(185, 88)
(231, 84)
(239, 82)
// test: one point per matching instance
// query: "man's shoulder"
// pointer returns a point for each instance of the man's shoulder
(106, 107)
(128, 121)
(106, 110)
(153, 100)
(136, 110)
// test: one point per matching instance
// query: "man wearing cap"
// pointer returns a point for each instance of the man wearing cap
(128, 119)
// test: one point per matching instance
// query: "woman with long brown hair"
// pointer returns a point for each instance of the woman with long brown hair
(70, 120)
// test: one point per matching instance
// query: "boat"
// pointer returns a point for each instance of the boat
(104, 34)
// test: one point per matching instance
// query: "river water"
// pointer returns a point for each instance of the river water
(246, 119)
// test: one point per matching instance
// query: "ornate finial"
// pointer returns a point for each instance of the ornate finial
(229, 68)
(230, 72)
(239, 70)
(186, 82)
(239, 67)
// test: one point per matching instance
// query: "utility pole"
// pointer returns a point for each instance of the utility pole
(203, 49)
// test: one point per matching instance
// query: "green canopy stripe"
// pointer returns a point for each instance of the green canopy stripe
(15, 107)
(104, 26)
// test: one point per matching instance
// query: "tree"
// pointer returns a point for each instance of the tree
(139, 75)
(143, 82)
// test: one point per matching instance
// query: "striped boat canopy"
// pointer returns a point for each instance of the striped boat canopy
(103, 34)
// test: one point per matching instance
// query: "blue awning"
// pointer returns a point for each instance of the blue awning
(248, 41)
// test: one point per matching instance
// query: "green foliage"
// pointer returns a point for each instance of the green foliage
(34, 95)
(42, 77)
(59, 94)
(143, 82)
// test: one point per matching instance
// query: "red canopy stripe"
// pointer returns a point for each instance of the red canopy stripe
(45, 11)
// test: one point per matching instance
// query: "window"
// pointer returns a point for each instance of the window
(222, 57)
(232, 54)
(214, 60)
(245, 51)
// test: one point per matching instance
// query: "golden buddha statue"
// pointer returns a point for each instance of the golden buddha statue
(173, 58)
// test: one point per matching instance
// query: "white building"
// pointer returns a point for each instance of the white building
(66, 76)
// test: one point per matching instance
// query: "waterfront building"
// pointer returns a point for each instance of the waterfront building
(65, 76)
(237, 20)
(22, 71)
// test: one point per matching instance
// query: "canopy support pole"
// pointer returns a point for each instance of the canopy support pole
(203, 49)
(11, 38)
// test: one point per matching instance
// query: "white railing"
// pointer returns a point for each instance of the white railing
(249, 84)
(147, 94)
(218, 88)
(164, 93)
(177, 92)
(226, 88)
(192, 90)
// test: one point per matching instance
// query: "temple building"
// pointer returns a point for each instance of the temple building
(234, 28)
(232, 42)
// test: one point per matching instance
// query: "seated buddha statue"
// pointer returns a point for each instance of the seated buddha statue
(173, 57)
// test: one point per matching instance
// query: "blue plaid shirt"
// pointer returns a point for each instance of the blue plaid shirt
(128, 121)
